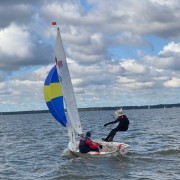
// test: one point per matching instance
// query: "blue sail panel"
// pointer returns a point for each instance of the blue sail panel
(58, 115)
(52, 76)
(54, 97)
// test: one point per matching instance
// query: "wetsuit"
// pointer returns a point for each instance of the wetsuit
(122, 126)
(86, 145)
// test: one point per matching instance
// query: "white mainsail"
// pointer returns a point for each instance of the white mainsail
(67, 88)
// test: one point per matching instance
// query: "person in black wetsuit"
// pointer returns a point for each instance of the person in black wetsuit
(122, 126)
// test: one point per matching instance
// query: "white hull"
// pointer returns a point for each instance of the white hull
(110, 149)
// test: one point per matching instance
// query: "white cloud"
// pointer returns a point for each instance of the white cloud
(15, 12)
(20, 48)
(140, 85)
(41, 73)
(128, 38)
(15, 41)
(68, 11)
(20, 94)
(125, 80)
(174, 83)
(171, 47)
(167, 59)
(133, 67)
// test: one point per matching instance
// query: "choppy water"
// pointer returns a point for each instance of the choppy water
(33, 147)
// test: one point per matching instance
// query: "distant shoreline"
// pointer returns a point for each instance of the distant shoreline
(98, 109)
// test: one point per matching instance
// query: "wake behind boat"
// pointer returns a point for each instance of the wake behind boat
(58, 91)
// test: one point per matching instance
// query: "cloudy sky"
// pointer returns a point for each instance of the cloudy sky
(120, 52)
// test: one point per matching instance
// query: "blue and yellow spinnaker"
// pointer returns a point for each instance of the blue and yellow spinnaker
(54, 97)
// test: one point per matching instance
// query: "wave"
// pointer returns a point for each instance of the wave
(175, 151)
(67, 153)
(168, 151)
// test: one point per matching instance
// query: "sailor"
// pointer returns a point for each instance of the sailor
(122, 126)
(86, 144)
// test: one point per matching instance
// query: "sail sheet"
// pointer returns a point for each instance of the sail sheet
(54, 96)
(67, 88)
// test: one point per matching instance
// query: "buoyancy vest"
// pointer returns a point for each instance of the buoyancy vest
(83, 147)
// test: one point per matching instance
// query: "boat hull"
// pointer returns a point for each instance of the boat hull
(110, 149)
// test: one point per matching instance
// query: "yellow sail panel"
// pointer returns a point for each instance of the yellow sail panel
(52, 91)
(55, 90)
(46, 93)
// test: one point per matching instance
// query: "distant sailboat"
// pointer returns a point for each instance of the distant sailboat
(58, 90)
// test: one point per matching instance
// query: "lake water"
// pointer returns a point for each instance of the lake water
(34, 146)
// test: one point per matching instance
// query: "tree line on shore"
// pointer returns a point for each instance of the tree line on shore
(99, 109)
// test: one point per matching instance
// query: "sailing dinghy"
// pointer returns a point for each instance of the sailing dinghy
(58, 91)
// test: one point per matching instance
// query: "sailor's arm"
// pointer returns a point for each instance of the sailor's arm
(112, 122)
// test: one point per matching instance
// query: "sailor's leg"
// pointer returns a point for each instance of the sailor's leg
(111, 134)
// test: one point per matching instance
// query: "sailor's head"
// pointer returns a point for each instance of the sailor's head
(88, 134)
(119, 112)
